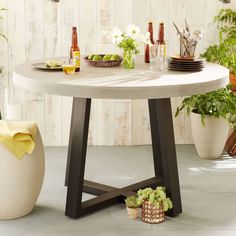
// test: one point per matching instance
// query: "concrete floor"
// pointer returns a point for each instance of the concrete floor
(208, 191)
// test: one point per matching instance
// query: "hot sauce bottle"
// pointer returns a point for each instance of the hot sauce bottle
(75, 50)
(147, 49)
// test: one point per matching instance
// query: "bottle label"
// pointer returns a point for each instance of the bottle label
(76, 58)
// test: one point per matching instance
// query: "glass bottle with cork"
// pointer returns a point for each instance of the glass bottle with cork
(75, 50)
(161, 48)
(147, 48)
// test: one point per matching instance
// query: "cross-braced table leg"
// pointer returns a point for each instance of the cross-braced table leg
(163, 145)
(164, 163)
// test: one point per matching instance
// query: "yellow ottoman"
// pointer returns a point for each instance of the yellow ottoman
(20, 180)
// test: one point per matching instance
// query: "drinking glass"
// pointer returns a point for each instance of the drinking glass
(69, 66)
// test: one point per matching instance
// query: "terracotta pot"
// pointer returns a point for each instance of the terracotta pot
(210, 139)
(132, 213)
(232, 80)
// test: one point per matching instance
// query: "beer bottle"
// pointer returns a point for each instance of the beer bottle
(161, 48)
(75, 50)
(161, 39)
(147, 49)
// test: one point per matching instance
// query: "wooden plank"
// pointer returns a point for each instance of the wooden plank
(70, 16)
(53, 120)
(178, 121)
(52, 48)
(87, 19)
(177, 14)
(159, 13)
(211, 10)
(104, 122)
(66, 119)
(141, 134)
(34, 51)
(141, 124)
(3, 58)
(104, 109)
(123, 123)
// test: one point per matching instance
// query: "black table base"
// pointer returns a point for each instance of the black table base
(164, 155)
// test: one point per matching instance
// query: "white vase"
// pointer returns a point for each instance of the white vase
(210, 139)
(20, 181)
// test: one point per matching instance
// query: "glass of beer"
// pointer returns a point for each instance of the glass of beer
(69, 67)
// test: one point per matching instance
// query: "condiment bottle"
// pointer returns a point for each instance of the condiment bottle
(147, 49)
(75, 50)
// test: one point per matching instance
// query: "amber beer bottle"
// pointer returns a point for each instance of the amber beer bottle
(161, 48)
(147, 50)
(161, 33)
(75, 50)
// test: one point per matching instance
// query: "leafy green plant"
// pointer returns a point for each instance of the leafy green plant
(224, 53)
(131, 202)
(218, 103)
(1, 34)
(156, 197)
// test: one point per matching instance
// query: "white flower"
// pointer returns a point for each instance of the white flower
(116, 35)
(133, 31)
(146, 38)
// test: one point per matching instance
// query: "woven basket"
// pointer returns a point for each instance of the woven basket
(151, 214)
(110, 63)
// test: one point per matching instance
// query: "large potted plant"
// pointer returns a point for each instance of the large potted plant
(224, 53)
(211, 115)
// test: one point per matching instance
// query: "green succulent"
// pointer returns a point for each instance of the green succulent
(156, 197)
(131, 202)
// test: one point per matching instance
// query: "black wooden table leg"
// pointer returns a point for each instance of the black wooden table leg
(164, 153)
(77, 155)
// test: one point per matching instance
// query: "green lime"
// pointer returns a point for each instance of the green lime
(115, 57)
(90, 57)
(97, 58)
(107, 57)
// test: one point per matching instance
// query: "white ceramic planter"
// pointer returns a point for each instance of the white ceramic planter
(132, 213)
(20, 181)
(209, 139)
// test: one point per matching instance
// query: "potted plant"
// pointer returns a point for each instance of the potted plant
(132, 206)
(211, 115)
(154, 204)
(224, 53)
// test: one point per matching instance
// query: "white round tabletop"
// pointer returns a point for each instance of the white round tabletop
(119, 83)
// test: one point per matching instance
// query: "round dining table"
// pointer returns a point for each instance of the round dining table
(118, 83)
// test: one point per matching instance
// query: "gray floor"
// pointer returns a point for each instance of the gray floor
(208, 194)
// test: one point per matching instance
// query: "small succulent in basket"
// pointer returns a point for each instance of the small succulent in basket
(154, 204)
(132, 206)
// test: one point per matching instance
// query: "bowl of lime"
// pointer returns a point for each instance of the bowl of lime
(103, 60)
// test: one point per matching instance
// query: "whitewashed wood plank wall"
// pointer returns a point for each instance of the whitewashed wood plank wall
(42, 28)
